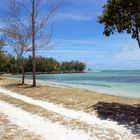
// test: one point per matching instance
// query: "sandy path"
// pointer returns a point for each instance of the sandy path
(9, 131)
(82, 116)
(36, 124)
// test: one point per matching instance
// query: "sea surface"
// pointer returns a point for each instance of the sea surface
(118, 83)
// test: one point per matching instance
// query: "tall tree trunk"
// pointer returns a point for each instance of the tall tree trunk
(22, 70)
(23, 76)
(33, 44)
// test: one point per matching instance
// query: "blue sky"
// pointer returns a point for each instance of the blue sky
(78, 36)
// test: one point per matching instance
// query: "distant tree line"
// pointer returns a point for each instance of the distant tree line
(9, 64)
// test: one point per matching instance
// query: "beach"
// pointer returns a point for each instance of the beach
(124, 83)
(85, 113)
(70, 77)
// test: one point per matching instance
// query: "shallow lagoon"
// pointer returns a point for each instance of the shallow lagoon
(119, 83)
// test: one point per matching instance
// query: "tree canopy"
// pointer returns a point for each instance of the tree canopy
(8, 64)
(121, 16)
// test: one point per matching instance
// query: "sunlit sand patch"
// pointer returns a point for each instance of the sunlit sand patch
(10, 131)
(41, 127)
(105, 127)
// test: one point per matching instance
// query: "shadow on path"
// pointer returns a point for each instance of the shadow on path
(127, 115)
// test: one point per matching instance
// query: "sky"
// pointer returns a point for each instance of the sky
(78, 36)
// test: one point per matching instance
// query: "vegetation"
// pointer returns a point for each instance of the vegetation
(17, 34)
(28, 34)
(120, 16)
(9, 64)
(37, 25)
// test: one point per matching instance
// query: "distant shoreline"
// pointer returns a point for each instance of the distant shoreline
(30, 73)
(67, 72)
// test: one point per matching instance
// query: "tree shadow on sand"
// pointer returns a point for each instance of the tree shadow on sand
(18, 86)
(124, 114)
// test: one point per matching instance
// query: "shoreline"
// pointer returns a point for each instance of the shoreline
(86, 89)
(68, 87)
(77, 109)
(39, 73)
(43, 83)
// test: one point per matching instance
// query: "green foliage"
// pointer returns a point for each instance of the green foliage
(120, 16)
(8, 64)
(72, 66)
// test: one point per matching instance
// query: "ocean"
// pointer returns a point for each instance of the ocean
(118, 83)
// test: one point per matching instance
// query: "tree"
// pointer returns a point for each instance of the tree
(17, 33)
(120, 16)
(30, 10)
(38, 23)
(2, 44)
(8, 64)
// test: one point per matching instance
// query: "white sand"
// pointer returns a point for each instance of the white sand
(72, 114)
(36, 124)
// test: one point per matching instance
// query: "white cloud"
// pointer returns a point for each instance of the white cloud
(76, 16)
(67, 51)
(75, 42)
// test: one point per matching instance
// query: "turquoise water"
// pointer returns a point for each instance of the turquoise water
(119, 83)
